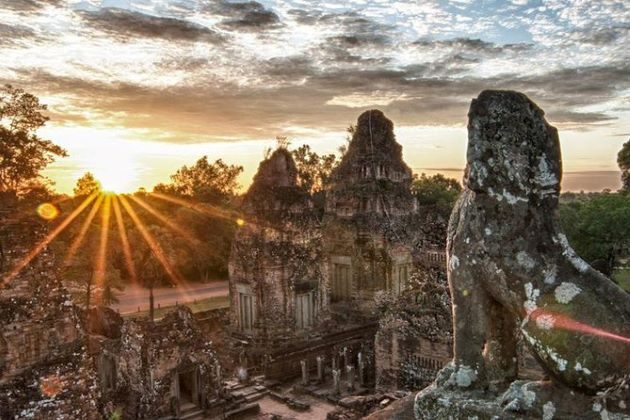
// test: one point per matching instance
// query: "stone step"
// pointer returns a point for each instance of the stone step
(192, 415)
(256, 396)
(253, 408)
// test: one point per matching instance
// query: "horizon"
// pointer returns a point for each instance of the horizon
(223, 79)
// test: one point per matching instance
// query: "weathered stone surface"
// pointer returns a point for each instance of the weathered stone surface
(369, 207)
(275, 274)
(44, 369)
(511, 268)
(146, 372)
(414, 338)
(401, 409)
(104, 321)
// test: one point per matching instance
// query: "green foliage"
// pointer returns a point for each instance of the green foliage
(22, 153)
(622, 277)
(79, 272)
(86, 185)
(313, 173)
(204, 181)
(598, 227)
(313, 169)
(623, 160)
(37, 191)
(436, 190)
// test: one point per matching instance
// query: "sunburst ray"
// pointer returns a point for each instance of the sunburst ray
(208, 210)
(78, 240)
(47, 240)
(155, 247)
(101, 256)
(184, 233)
(124, 241)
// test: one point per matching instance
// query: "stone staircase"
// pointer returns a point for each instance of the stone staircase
(191, 412)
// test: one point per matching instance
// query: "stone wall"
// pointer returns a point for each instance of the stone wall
(158, 369)
(44, 369)
(276, 282)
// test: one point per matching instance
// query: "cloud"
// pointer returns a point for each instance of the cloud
(472, 45)
(123, 25)
(16, 36)
(26, 6)
(601, 36)
(249, 15)
(314, 69)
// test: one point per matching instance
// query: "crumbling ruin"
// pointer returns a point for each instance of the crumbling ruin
(45, 371)
(353, 308)
(55, 365)
(307, 294)
(161, 369)
(276, 286)
(368, 205)
(511, 268)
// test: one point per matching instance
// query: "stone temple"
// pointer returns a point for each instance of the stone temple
(304, 287)
(354, 307)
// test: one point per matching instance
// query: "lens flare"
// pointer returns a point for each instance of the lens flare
(240, 222)
(47, 211)
(208, 210)
(51, 386)
(563, 322)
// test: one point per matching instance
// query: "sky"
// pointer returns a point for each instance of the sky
(138, 88)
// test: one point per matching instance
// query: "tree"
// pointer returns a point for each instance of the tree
(598, 228)
(282, 142)
(210, 182)
(86, 185)
(22, 153)
(313, 169)
(623, 160)
(80, 271)
(436, 190)
(151, 273)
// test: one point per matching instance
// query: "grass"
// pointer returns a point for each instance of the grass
(622, 276)
(215, 302)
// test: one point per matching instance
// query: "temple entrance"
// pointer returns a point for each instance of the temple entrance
(341, 282)
(188, 394)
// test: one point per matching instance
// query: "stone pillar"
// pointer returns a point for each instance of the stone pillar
(336, 373)
(361, 363)
(350, 377)
(217, 372)
(320, 369)
(344, 354)
(335, 362)
(305, 379)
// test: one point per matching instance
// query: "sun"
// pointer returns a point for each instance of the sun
(114, 167)
(117, 179)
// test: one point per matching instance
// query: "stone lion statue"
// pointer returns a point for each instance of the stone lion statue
(513, 273)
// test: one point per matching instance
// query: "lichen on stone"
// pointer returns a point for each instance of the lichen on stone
(549, 410)
(566, 292)
(545, 322)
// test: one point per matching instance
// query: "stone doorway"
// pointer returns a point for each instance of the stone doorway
(188, 389)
